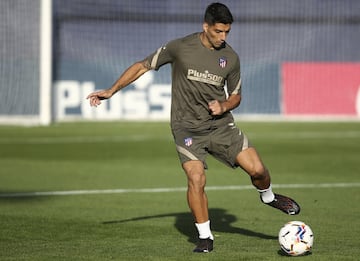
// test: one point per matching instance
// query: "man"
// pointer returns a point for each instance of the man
(201, 121)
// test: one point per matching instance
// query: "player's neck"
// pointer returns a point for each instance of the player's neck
(205, 42)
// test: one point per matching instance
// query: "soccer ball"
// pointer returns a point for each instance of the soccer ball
(296, 238)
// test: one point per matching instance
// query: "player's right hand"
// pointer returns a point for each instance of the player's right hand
(96, 97)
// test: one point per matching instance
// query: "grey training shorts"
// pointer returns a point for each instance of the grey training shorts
(224, 143)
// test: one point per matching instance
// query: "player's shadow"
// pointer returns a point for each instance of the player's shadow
(221, 221)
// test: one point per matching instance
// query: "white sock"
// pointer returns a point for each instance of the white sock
(266, 194)
(204, 230)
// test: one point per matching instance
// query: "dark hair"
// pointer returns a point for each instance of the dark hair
(218, 13)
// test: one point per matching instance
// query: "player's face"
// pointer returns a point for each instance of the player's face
(216, 34)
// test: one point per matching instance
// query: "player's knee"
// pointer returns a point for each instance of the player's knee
(258, 172)
(196, 177)
(196, 180)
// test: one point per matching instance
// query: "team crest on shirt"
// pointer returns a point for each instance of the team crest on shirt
(222, 62)
(188, 142)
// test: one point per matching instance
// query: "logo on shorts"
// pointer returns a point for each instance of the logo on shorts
(188, 142)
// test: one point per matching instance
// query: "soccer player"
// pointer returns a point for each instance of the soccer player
(201, 121)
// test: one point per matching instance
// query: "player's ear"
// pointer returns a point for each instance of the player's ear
(205, 27)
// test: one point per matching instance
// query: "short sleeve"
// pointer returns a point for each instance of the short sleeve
(162, 56)
(233, 80)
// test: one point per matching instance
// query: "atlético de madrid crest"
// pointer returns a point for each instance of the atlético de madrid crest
(188, 142)
(222, 62)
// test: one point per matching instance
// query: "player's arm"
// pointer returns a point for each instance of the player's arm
(130, 75)
(219, 108)
(231, 103)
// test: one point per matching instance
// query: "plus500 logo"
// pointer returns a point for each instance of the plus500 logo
(145, 101)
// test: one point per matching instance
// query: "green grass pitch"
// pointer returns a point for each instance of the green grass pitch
(103, 222)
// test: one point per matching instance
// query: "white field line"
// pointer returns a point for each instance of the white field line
(167, 190)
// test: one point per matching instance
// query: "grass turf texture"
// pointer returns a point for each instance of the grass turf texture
(158, 226)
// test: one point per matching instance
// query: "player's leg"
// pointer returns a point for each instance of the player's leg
(249, 160)
(229, 144)
(192, 153)
(196, 195)
(198, 203)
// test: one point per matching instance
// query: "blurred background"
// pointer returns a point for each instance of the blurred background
(299, 59)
